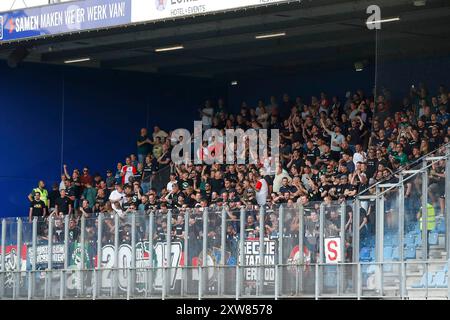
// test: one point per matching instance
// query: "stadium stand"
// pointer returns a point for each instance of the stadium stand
(356, 206)
(370, 151)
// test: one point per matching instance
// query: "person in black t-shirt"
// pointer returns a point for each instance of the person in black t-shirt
(150, 168)
(435, 139)
(53, 195)
(178, 228)
(63, 205)
(312, 153)
(37, 207)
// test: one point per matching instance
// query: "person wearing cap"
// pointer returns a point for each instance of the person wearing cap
(110, 180)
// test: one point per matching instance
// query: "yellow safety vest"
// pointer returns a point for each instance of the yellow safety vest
(431, 218)
(44, 195)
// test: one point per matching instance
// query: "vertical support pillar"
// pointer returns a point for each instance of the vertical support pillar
(356, 240)
(49, 273)
(19, 258)
(151, 252)
(133, 270)
(184, 282)
(447, 201)
(50, 243)
(168, 264)
(319, 273)
(341, 267)
(223, 243)
(424, 210)
(379, 238)
(3, 251)
(99, 253)
(401, 234)
(260, 285)
(33, 260)
(241, 260)
(66, 256)
(321, 228)
(115, 275)
(301, 233)
(358, 280)
(83, 253)
(279, 274)
(356, 222)
(317, 281)
(203, 267)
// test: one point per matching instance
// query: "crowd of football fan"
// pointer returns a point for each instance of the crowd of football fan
(330, 150)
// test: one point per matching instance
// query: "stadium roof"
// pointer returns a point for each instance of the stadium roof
(318, 33)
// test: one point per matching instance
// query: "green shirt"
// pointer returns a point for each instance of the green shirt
(144, 148)
(403, 159)
(90, 194)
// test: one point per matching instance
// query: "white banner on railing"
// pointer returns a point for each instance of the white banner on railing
(333, 250)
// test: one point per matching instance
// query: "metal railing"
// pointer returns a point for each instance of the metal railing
(314, 249)
(363, 280)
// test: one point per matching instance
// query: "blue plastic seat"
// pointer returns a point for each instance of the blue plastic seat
(387, 253)
(440, 279)
(440, 227)
(416, 228)
(395, 239)
(431, 282)
(418, 240)
(409, 239)
(410, 252)
(433, 239)
(372, 254)
(396, 253)
(330, 278)
(364, 254)
(387, 268)
(388, 240)
(422, 283)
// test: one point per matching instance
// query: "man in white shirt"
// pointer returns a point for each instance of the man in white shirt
(128, 171)
(262, 190)
(281, 173)
(359, 155)
(337, 138)
(117, 195)
(173, 180)
(158, 133)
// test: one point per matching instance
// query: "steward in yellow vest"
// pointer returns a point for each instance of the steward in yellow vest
(42, 191)
(431, 217)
